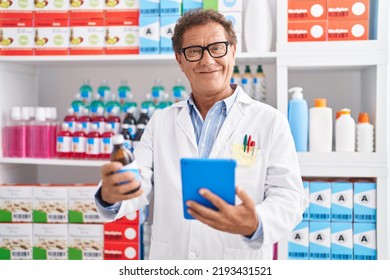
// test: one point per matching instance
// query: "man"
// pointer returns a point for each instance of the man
(211, 123)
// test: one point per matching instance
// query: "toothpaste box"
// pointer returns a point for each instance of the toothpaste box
(192, 4)
(298, 242)
(304, 31)
(342, 201)
(121, 251)
(92, 9)
(118, 232)
(223, 5)
(348, 9)
(303, 10)
(15, 241)
(15, 203)
(319, 238)
(170, 7)
(121, 8)
(12, 9)
(50, 204)
(305, 216)
(86, 37)
(150, 7)
(342, 241)
(364, 241)
(50, 241)
(320, 201)
(16, 37)
(149, 34)
(167, 26)
(51, 9)
(51, 37)
(85, 242)
(364, 202)
(81, 203)
(343, 30)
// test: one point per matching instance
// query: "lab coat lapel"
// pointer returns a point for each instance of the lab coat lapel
(184, 122)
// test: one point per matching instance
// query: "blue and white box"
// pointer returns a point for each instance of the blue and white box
(341, 241)
(170, 8)
(320, 200)
(298, 242)
(223, 5)
(192, 4)
(319, 246)
(305, 216)
(167, 26)
(149, 7)
(149, 35)
(342, 201)
(364, 202)
(364, 241)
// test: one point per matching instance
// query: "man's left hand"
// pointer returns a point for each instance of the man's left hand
(240, 219)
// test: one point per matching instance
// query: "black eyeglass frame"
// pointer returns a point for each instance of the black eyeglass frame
(205, 48)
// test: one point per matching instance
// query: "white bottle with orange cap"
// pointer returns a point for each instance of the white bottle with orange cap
(345, 132)
(364, 134)
(320, 127)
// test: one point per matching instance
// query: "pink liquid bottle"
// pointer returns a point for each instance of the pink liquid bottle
(14, 134)
(99, 119)
(64, 142)
(51, 117)
(39, 135)
(114, 120)
(106, 143)
(79, 143)
(93, 143)
(85, 119)
(71, 119)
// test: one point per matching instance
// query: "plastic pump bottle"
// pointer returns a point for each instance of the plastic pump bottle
(236, 77)
(259, 85)
(345, 132)
(364, 134)
(298, 118)
(320, 127)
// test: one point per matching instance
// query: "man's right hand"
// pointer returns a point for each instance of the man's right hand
(117, 187)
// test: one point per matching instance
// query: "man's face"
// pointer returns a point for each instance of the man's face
(209, 75)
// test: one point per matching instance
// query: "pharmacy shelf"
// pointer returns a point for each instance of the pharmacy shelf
(335, 164)
(53, 162)
(117, 60)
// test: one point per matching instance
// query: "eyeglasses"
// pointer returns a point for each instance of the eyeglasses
(195, 53)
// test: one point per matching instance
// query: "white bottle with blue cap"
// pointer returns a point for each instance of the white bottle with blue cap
(298, 118)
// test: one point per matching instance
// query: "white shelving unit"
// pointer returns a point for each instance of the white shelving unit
(350, 74)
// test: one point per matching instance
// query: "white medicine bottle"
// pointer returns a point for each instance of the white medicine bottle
(320, 127)
(364, 134)
(345, 132)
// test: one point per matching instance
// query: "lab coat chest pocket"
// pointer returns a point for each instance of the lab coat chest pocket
(160, 250)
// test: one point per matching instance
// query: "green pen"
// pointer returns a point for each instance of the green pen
(245, 142)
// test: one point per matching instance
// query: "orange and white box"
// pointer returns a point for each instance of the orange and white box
(16, 37)
(348, 9)
(51, 37)
(302, 31)
(306, 10)
(121, 8)
(86, 37)
(51, 9)
(344, 30)
(22, 9)
(92, 9)
(121, 232)
(133, 219)
(122, 36)
(121, 251)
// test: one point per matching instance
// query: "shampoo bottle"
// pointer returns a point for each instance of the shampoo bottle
(298, 118)
(345, 132)
(320, 127)
(364, 134)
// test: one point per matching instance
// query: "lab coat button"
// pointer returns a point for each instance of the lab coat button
(191, 256)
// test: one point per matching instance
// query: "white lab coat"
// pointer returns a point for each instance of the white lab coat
(274, 181)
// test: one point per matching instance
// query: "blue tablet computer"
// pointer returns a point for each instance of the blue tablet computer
(217, 175)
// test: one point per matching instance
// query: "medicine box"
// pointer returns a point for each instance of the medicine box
(16, 241)
(16, 37)
(348, 9)
(298, 242)
(149, 34)
(364, 206)
(304, 31)
(81, 9)
(85, 242)
(50, 204)
(121, 251)
(51, 9)
(149, 7)
(364, 241)
(167, 26)
(86, 37)
(343, 30)
(342, 201)
(342, 241)
(320, 200)
(121, 9)
(51, 37)
(15, 203)
(303, 10)
(50, 241)
(132, 218)
(170, 8)
(319, 246)
(11, 9)
(305, 215)
(118, 232)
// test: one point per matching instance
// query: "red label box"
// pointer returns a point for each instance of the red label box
(348, 9)
(302, 31)
(344, 30)
(121, 232)
(122, 36)
(16, 37)
(86, 37)
(51, 37)
(306, 10)
(121, 251)
(132, 218)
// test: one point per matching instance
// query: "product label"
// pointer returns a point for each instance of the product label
(50, 242)
(79, 144)
(15, 204)
(50, 204)
(15, 241)
(93, 146)
(64, 144)
(106, 145)
(85, 242)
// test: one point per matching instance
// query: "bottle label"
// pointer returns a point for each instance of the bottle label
(64, 144)
(127, 144)
(93, 146)
(78, 144)
(71, 126)
(100, 126)
(131, 167)
(116, 127)
(106, 145)
(86, 126)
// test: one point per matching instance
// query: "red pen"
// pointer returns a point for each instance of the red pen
(249, 143)
(253, 144)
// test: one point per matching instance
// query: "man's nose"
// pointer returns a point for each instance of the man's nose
(207, 58)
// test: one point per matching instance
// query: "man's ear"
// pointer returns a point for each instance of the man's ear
(234, 50)
(179, 57)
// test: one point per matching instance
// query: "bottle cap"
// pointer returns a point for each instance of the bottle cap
(296, 92)
(25, 113)
(117, 139)
(65, 126)
(320, 102)
(338, 114)
(16, 114)
(364, 118)
(40, 114)
(345, 111)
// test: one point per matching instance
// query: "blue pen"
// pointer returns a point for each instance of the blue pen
(245, 142)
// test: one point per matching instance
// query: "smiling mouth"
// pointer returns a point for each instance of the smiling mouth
(208, 72)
